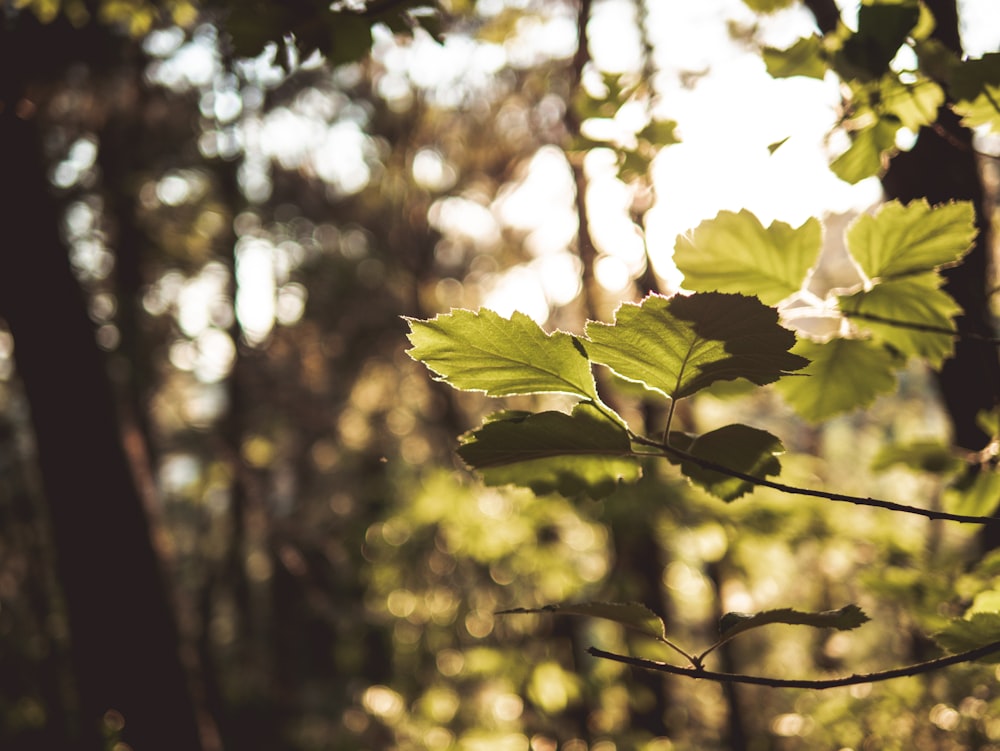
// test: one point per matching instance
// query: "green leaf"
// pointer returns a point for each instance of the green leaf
(767, 6)
(734, 252)
(903, 240)
(738, 447)
(976, 88)
(772, 147)
(882, 30)
(631, 615)
(585, 452)
(915, 104)
(804, 58)
(865, 156)
(914, 300)
(922, 456)
(660, 133)
(975, 493)
(679, 345)
(978, 630)
(486, 352)
(844, 619)
(843, 374)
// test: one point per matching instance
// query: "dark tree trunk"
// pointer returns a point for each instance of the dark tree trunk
(123, 639)
(943, 167)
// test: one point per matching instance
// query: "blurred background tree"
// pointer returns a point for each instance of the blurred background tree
(231, 513)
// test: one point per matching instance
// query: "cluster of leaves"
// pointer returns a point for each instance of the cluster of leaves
(342, 33)
(743, 276)
(885, 97)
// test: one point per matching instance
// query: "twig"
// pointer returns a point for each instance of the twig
(850, 680)
(926, 327)
(793, 490)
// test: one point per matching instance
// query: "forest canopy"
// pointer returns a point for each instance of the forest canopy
(499, 374)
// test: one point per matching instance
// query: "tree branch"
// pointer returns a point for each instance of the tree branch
(926, 327)
(850, 680)
(793, 490)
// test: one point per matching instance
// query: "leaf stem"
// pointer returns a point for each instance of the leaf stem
(667, 450)
(670, 419)
(925, 327)
(850, 680)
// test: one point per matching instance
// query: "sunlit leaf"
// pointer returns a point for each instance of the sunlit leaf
(978, 630)
(634, 616)
(804, 58)
(976, 87)
(844, 619)
(734, 252)
(679, 345)
(976, 493)
(485, 352)
(902, 240)
(865, 156)
(913, 302)
(915, 104)
(843, 374)
(585, 452)
(737, 447)
(767, 6)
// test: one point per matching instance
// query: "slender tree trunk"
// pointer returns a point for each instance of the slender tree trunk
(123, 639)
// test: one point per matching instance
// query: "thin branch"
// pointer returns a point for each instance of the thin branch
(793, 490)
(926, 327)
(850, 680)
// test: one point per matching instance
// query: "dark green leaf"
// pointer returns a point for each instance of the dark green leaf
(632, 615)
(585, 452)
(486, 352)
(735, 253)
(845, 619)
(804, 58)
(737, 447)
(978, 630)
(679, 345)
(843, 374)
(882, 30)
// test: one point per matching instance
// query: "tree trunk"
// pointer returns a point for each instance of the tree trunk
(123, 639)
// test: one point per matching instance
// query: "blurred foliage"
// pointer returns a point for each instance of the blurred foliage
(249, 222)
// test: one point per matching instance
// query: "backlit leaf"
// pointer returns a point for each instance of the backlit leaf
(679, 345)
(914, 300)
(843, 374)
(585, 452)
(844, 619)
(734, 252)
(485, 352)
(902, 240)
(976, 493)
(865, 156)
(804, 58)
(737, 447)
(978, 630)
(976, 87)
(632, 615)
